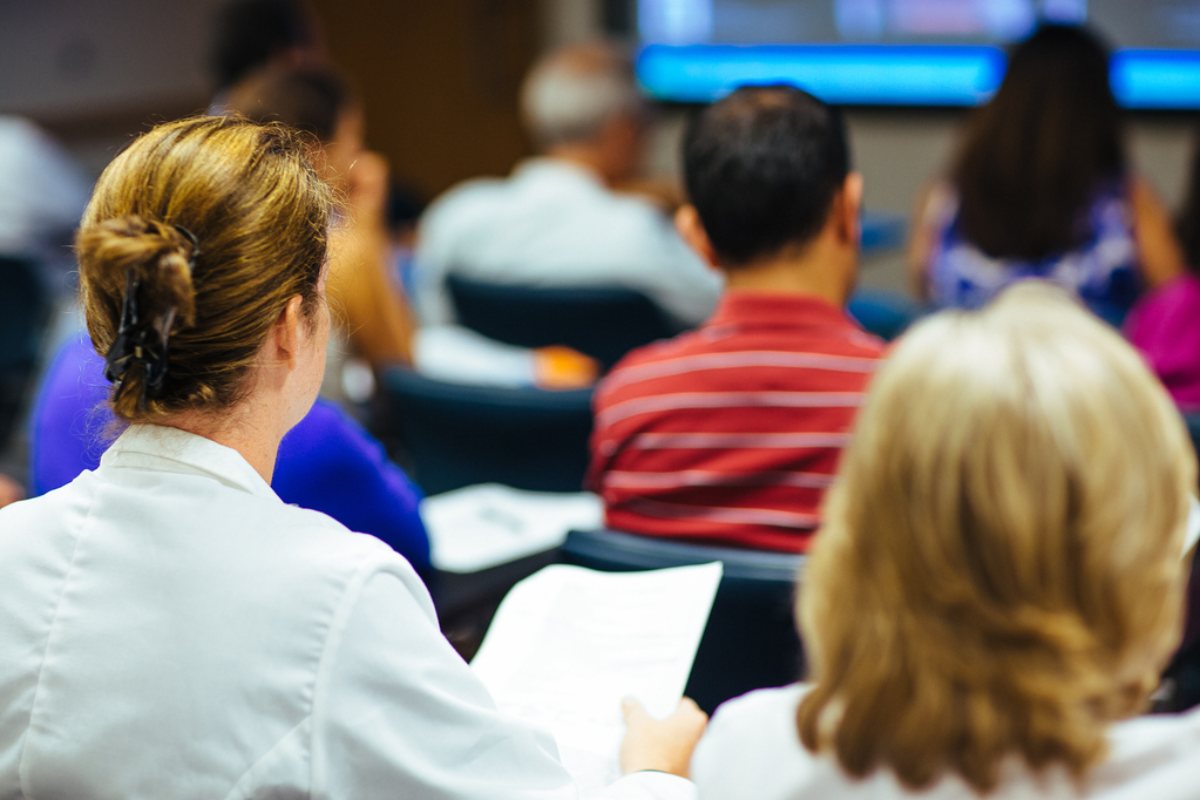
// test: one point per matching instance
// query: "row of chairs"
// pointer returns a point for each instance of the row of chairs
(459, 435)
(607, 322)
(454, 435)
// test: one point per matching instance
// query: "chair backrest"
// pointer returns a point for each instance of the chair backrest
(1193, 427)
(1182, 684)
(750, 641)
(885, 314)
(25, 305)
(457, 435)
(602, 322)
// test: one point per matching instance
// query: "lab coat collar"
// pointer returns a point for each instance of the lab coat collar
(157, 447)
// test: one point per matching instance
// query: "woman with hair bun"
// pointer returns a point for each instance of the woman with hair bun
(327, 462)
(171, 627)
(997, 585)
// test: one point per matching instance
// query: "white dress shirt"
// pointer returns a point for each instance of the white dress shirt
(752, 749)
(42, 194)
(553, 223)
(169, 628)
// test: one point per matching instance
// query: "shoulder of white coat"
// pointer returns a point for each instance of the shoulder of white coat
(35, 513)
(324, 529)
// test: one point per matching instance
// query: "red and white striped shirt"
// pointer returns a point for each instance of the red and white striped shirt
(731, 433)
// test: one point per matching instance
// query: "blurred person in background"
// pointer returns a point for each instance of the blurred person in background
(1042, 188)
(252, 35)
(1165, 325)
(369, 304)
(42, 195)
(556, 221)
(997, 584)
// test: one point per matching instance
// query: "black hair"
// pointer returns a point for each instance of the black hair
(405, 205)
(249, 33)
(1036, 154)
(762, 167)
(309, 98)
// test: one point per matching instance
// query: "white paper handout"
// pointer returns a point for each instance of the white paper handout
(567, 644)
(477, 527)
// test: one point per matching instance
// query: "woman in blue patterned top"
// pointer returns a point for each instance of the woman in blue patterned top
(1042, 189)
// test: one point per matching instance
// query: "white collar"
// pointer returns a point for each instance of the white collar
(162, 448)
(557, 169)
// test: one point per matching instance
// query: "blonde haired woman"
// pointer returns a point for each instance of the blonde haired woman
(172, 629)
(997, 585)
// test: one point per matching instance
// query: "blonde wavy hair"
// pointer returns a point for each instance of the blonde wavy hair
(999, 570)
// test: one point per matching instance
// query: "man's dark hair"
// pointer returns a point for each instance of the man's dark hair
(249, 33)
(762, 167)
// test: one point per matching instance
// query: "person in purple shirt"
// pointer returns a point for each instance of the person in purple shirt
(327, 463)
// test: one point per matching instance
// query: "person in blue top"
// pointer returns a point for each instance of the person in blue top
(326, 463)
(1042, 187)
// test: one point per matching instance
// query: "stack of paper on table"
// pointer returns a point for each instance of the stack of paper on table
(477, 527)
(568, 644)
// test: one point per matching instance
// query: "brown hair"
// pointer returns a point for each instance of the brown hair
(1034, 156)
(257, 212)
(998, 574)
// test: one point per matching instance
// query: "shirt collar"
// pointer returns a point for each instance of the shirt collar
(770, 310)
(545, 168)
(167, 449)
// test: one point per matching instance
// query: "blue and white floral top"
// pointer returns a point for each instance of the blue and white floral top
(1102, 271)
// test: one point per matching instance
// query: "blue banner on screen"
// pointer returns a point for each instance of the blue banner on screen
(895, 75)
(904, 52)
(886, 74)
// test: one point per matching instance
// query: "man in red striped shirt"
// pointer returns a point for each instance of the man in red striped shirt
(731, 433)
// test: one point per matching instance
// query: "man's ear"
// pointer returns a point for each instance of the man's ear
(849, 209)
(286, 334)
(691, 230)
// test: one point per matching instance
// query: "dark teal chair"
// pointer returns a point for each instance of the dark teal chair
(451, 435)
(750, 641)
(885, 314)
(25, 305)
(602, 322)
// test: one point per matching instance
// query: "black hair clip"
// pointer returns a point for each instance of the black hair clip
(136, 343)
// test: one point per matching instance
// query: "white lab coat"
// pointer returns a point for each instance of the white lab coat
(170, 629)
(752, 742)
